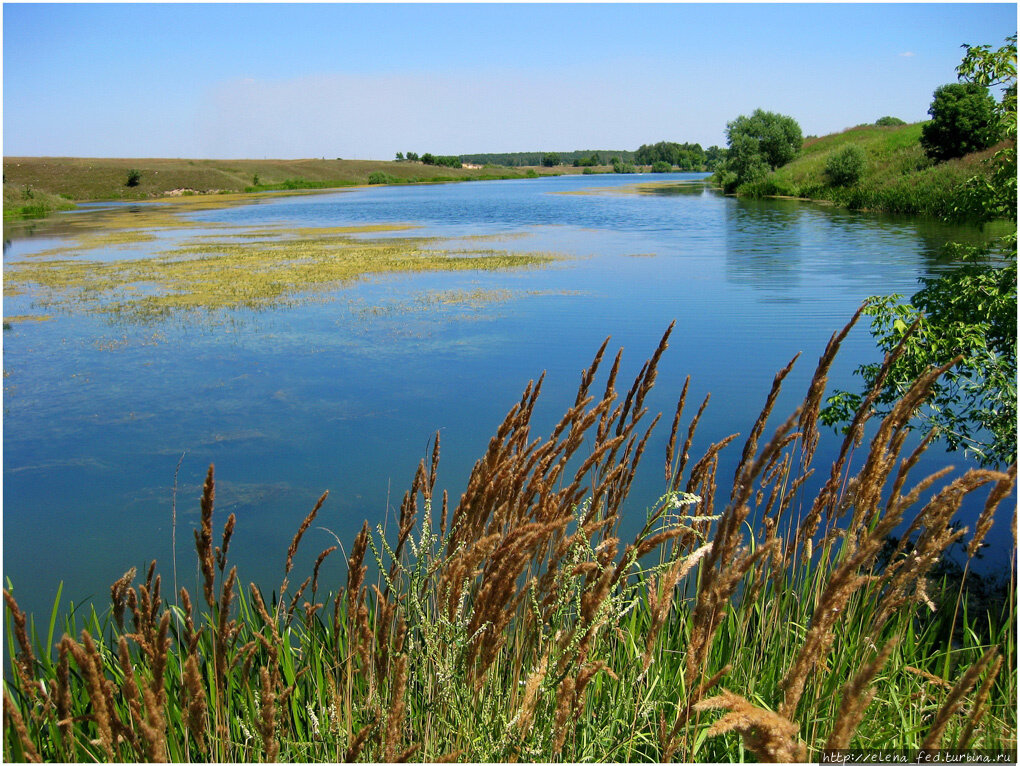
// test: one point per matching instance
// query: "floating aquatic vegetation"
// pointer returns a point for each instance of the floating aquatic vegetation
(211, 275)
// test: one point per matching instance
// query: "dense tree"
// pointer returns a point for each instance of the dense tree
(450, 161)
(968, 313)
(885, 122)
(714, 156)
(776, 136)
(683, 156)
(963, 120)
(758, 144)
(550, 159)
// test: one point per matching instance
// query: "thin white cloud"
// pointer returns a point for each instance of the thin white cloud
(907, 54)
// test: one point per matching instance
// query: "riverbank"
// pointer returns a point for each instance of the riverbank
(897, 176)
(37, 186)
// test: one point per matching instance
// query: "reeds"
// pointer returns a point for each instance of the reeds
(525, 628)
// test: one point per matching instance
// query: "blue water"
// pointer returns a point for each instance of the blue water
(344, 394)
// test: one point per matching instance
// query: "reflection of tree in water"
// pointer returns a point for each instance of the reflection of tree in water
(763, 243)
(778, 244)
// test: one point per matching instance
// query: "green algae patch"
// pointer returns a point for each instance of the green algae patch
(278, 232)
(13, 320)
(94, 240)
(203, 277)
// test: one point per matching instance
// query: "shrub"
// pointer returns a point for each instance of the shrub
(963, 120)
(550, 160)
(661, 167)
(379, 177)
(134, 177)
(884, 122)
(622, 167)
(845, 167)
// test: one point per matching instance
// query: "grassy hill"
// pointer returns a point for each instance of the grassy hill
(36, 186)
(898, 177)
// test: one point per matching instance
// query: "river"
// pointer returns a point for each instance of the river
(345, 390)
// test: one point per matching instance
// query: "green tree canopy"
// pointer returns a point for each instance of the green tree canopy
(759, 144)
(777, 137)
(963, 120)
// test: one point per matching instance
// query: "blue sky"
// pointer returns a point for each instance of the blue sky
(366, 81)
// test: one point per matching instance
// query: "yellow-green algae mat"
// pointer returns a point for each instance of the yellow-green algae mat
(253, 268)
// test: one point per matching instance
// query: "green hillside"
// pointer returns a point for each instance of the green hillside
(897, 176)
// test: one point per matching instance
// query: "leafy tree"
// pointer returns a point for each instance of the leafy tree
(744, 161)
(661, 167)
(884, 122)
(759, 144)
(400, 157)
(969, 312)
(778, 137)
(714, 157)
(550, 160)
(412, 157)
(963, 120)
(684, 156)
(134, 177)
(845, 167)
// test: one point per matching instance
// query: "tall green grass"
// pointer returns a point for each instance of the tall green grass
(748, 621)
(25, 203)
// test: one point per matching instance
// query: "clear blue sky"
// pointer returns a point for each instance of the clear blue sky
(366, 81)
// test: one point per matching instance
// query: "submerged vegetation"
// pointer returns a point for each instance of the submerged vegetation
(750, 620)
(238, 268)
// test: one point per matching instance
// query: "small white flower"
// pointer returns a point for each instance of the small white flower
(314, 719)
(680, 499)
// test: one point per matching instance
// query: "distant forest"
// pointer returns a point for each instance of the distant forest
(666, 155)
(518, 159)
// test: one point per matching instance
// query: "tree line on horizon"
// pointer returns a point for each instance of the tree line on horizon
(675, 156)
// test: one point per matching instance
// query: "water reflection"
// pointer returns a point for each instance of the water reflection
(763, 244)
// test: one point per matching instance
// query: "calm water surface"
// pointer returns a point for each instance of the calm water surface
(345, 393)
